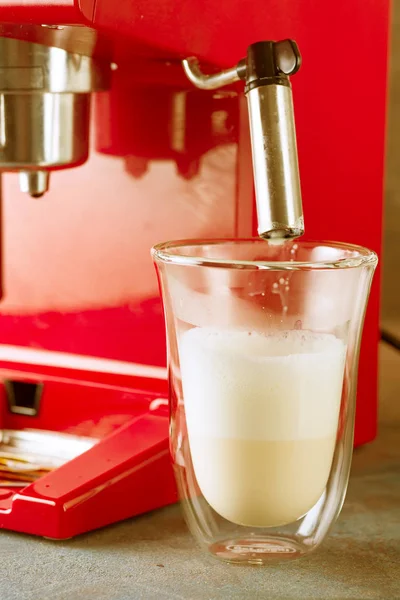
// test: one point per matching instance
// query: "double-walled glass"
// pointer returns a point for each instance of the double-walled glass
(263, 346)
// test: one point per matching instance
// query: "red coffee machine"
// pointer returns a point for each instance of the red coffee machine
(107, 146)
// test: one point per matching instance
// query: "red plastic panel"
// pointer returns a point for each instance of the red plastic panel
(78, 275)
(131, 465)
(45, 11)
(88, 286)
(221, 31)
(89, 410)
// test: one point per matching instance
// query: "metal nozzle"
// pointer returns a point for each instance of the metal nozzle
(34, 183)
(266, 73)
(191, 66)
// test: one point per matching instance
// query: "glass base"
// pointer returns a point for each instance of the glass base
(256, 550)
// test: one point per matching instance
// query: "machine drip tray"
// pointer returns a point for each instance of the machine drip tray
(27, 455)
(79, 455)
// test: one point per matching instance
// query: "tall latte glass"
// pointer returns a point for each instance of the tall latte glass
(263, 345)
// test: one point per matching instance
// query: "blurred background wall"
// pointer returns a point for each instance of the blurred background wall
(390, 318)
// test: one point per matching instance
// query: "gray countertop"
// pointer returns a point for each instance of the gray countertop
(153, 557)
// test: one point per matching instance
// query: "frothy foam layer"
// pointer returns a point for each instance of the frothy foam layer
(245, 385)
(262, 414)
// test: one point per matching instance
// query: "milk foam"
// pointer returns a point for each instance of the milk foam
(250, 386)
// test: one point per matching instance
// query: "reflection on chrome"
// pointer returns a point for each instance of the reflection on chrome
(27, 455)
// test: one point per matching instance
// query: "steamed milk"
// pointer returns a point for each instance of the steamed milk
(262, 414)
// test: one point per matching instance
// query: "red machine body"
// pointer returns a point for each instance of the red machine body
(169, 161)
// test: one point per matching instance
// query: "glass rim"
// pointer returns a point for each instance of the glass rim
(166, 252)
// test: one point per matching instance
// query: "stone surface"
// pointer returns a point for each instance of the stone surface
(154, 557)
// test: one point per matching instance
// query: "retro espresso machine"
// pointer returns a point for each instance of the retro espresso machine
(123, 124)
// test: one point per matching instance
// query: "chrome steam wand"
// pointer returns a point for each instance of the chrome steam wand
(266, 70)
